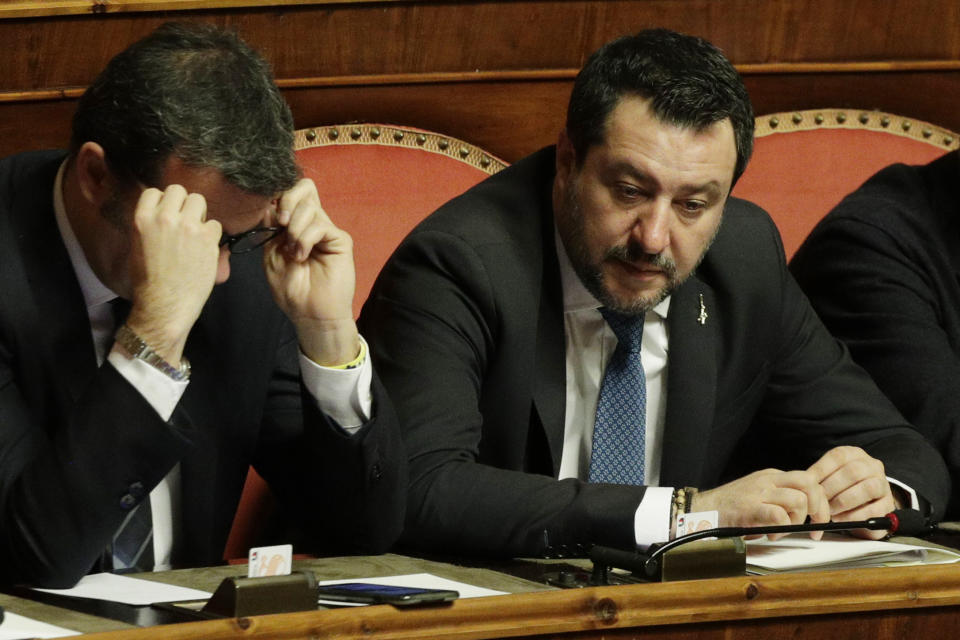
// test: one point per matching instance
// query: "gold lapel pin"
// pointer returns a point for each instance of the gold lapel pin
(702, 318)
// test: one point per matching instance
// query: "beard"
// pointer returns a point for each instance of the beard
(591, 273)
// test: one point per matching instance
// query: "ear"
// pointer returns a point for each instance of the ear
(94, 177)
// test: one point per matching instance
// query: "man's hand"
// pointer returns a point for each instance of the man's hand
(855, 486)
(173, 265)
(767, 497)
(310, 270)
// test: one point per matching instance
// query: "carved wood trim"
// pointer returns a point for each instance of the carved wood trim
(394, 136)
(810, 119)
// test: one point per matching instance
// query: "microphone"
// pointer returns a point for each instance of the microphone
(908, 522)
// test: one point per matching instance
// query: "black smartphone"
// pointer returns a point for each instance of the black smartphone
(366, 593)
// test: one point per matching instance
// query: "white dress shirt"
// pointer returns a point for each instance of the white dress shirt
(343, 394)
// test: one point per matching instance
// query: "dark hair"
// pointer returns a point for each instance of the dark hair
(195, 91)
(688, 81)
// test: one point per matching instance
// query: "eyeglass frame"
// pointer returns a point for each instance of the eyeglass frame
(232, 239)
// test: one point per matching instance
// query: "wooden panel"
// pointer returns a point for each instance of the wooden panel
(389, 45)
(37, 8)
(376, 38)
(497, 73)
(938, 623)
(514, 118)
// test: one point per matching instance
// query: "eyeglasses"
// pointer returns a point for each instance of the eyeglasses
(249, 240)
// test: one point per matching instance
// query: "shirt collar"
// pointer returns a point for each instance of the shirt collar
(576, 297)
(94, 291)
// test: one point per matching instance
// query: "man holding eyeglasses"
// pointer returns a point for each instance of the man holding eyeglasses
(144, 365)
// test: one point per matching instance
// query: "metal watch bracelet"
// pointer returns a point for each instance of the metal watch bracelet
(136, 347)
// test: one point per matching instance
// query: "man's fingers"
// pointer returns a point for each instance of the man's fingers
(149, 199)
(172, 200)
(835, 459)
(194, 208)
(792, 502)
(860, 493)
(855, 471)
(816, 505)
(772, 513)
(873, 509)
(304, 191)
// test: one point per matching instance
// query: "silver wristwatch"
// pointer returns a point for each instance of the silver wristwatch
(136, 347)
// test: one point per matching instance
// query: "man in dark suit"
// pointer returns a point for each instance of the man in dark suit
(882, 269)
(494, 322)
(181, 154)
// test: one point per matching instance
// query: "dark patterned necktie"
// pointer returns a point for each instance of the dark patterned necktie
(618, 433)
(132, 545)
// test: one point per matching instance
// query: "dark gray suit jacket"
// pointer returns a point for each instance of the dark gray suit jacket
(883, 271)
(76, 439)
(465, 324)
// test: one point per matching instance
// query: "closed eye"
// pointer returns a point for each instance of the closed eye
(692, 208)
(628, 193)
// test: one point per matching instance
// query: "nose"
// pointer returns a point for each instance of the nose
(651, 230)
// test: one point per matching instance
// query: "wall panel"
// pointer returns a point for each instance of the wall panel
(494, 72)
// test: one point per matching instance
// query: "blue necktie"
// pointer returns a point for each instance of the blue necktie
(618, 433)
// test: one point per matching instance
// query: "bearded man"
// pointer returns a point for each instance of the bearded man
(598, 338)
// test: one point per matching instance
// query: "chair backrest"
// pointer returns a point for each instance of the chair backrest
(805, 162)
(376, 182)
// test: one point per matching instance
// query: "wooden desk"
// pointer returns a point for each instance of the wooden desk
(880, 604)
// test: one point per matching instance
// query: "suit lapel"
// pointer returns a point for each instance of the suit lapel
(550, 387)
(691, 383)
(63, 327)
(549, 390)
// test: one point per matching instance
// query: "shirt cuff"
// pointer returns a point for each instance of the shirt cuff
(159, 390)
(651, 522)
(914, 502)
(342, 394)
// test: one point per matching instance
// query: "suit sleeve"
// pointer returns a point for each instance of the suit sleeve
(879, 295)
(346, 490)
(437, 329)
(817, 398)
(63, 495)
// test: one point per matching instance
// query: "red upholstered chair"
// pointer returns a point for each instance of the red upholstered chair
(805, 162)
(377, 182)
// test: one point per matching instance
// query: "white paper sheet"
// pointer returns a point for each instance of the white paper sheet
(797, 552)
(421, 580)
(16, 627)
(117, 588)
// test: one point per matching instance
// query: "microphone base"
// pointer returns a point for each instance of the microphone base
(718, 558)
(704, 559)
